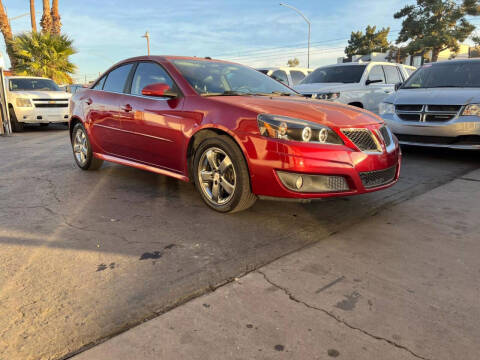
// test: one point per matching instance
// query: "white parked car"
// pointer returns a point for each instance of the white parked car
(36, 100)
(289, 76)
(364, 85)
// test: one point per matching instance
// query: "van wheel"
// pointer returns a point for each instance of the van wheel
(221, 175)
(16, 126)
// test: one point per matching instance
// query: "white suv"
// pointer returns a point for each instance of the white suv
(364, 85)
(289, 76)
(35, 100)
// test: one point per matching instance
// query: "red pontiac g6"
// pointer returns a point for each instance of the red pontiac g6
(235, 132)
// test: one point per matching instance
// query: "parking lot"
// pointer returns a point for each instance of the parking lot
(111, 248)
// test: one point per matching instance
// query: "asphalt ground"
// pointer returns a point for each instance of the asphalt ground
(86, 255)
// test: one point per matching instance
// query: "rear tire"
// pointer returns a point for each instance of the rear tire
(16, 126)
(82, 149)
(221, 175)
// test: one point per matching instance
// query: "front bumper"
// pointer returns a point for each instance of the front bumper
(34, 115)
(462, 132)
(267, 157)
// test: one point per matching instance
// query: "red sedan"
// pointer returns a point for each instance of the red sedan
(235, 132)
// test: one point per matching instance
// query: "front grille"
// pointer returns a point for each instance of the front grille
(386, 136)
(440, 140)
(371, 179)
(362, 139)
(427, 113)
(51, 105)
(409, 107)
(409, 117)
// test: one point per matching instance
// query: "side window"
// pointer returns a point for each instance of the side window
(376, 73)
(117, 79)
(281, 76)
(99, 84)
(400, 74)
(392, 74)
(297, 76)
(148, 73)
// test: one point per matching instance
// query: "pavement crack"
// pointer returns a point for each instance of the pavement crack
(339, 320)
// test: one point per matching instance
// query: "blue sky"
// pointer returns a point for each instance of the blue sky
(254, 32)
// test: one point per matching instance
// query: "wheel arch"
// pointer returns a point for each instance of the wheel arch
(73, 121)
(207, 132)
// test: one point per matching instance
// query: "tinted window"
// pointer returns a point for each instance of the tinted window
(376, 73)
(148, 73)
(281, 76)
(264, 71)
(448, 74)
(336, 74)
(410, 71)
(99, 84)
(117, 79)
(297, 76)
(214, 78)
(33, 84)
(392, 75)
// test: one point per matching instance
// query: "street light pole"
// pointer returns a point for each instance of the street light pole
(147, 36)
(308, 23)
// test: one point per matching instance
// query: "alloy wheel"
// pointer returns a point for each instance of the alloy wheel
(80, 146)
(217, 176)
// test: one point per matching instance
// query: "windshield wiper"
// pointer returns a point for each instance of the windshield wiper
(227, 93)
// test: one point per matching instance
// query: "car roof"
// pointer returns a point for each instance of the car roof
(454, 61)
(366, 63)
(172, 57)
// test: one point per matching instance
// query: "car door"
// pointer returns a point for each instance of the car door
(376, 90)
(104, 112)
(154, 126)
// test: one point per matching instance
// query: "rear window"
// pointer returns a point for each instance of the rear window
(336, 74)
(297, 76)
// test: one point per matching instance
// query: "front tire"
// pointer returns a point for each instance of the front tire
(221, 175)
(82, 149)
(16, 125)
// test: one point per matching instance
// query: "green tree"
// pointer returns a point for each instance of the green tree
(436, 25)
(293, 62)
(371, 41)
(44, 54)
(476, 40)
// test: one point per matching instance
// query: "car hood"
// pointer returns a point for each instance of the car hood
(42, 94)
(440, 96)
(323, 87)
(322, 112)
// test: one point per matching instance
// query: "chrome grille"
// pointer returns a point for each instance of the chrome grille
(362, 139)
(427, 113)
(371, 179)
(50, 103)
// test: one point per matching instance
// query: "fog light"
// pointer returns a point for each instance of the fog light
(299, 182)
(313, 183)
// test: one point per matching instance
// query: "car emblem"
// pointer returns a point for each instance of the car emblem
(51, 102)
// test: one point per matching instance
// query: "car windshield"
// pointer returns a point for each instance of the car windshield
(33, 84)
(336, 74)
(210, 78)
(448, 74)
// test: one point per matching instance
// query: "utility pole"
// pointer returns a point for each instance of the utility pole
(308, 23)
(147, 36)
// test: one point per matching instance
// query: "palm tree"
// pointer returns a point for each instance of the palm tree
(33, 19)
(56, 25)
(7, 34)
(46, 21)
(44, 54)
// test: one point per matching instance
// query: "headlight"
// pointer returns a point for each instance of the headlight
(386, 108)
(472, 110)
(282, 127)
(23, 102)
(327, 96)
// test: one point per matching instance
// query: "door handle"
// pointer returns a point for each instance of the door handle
(127, 108)
(89, 101)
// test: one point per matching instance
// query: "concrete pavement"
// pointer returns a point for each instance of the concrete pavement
(402, 284)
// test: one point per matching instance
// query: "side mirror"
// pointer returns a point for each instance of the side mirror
(398, 86)
(159, 90)
(368, 82)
